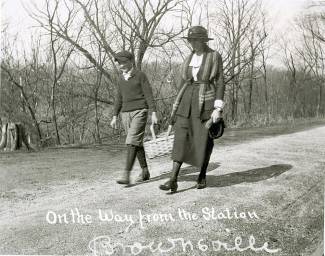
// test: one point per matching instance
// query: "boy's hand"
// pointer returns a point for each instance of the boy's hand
(113, 122)
(154, 118)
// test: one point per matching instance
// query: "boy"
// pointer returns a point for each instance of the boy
(134, 97)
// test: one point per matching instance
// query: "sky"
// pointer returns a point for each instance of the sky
(12, 11)
(281, 13)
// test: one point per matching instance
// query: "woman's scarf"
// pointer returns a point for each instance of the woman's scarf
(209, 71)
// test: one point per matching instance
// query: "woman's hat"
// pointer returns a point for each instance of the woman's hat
(123, 56)
(197, 32)
(215, 129)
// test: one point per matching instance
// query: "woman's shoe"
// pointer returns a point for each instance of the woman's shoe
(201, 184)
(169, 185)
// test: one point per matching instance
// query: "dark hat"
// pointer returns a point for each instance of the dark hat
(215, 129)
(123, 56)
(197, 32)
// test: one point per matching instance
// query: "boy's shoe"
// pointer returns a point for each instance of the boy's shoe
(125, 179)
(144, 175)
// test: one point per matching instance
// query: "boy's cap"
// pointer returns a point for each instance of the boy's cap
(123, 56)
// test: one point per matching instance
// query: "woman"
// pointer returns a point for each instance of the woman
(134, 97)
(200, 98)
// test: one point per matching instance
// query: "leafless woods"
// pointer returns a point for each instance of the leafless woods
(62, 84)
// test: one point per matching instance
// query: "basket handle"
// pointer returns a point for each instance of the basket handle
(169, 130)
(152, 130)
(153, 134)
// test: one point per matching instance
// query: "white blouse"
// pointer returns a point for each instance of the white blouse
(195, 63)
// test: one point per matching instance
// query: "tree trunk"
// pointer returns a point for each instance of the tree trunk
(13, 136)
(32, 113)
(233, 85)
(54, 119)
(97, 130)
(251, 75)
(98, 139)
(319, 100)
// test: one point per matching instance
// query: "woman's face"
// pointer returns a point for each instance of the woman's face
(124, 65)
(197, 44)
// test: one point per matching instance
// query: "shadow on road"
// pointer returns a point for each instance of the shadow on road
(184, 171)
(249, 176)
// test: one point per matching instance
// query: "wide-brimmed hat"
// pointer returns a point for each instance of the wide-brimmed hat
(215, 129)
(123, 56)
(197, 32)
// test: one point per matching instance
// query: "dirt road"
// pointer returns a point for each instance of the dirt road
(66, 201)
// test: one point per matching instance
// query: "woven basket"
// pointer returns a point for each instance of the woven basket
(159, 145)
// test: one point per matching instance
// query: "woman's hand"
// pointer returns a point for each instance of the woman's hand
(113, 122)
(154, 118)
(215, 115)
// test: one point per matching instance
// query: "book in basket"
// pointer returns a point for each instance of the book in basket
(159, 145)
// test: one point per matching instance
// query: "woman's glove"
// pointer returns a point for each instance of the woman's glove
(215, 115)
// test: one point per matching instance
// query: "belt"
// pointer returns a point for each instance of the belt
(200, 82)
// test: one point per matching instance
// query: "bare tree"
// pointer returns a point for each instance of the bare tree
(315, 20)
(12, 79)
(60, 57)
(312, 54)
(140, 29)
(133, 25)
(26, 76)
(238, 42)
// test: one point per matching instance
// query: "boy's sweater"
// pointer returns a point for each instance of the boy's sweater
(134, 93)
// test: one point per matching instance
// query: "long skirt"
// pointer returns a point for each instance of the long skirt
(191, 137)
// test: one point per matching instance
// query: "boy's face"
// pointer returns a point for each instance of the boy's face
(124, 65)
